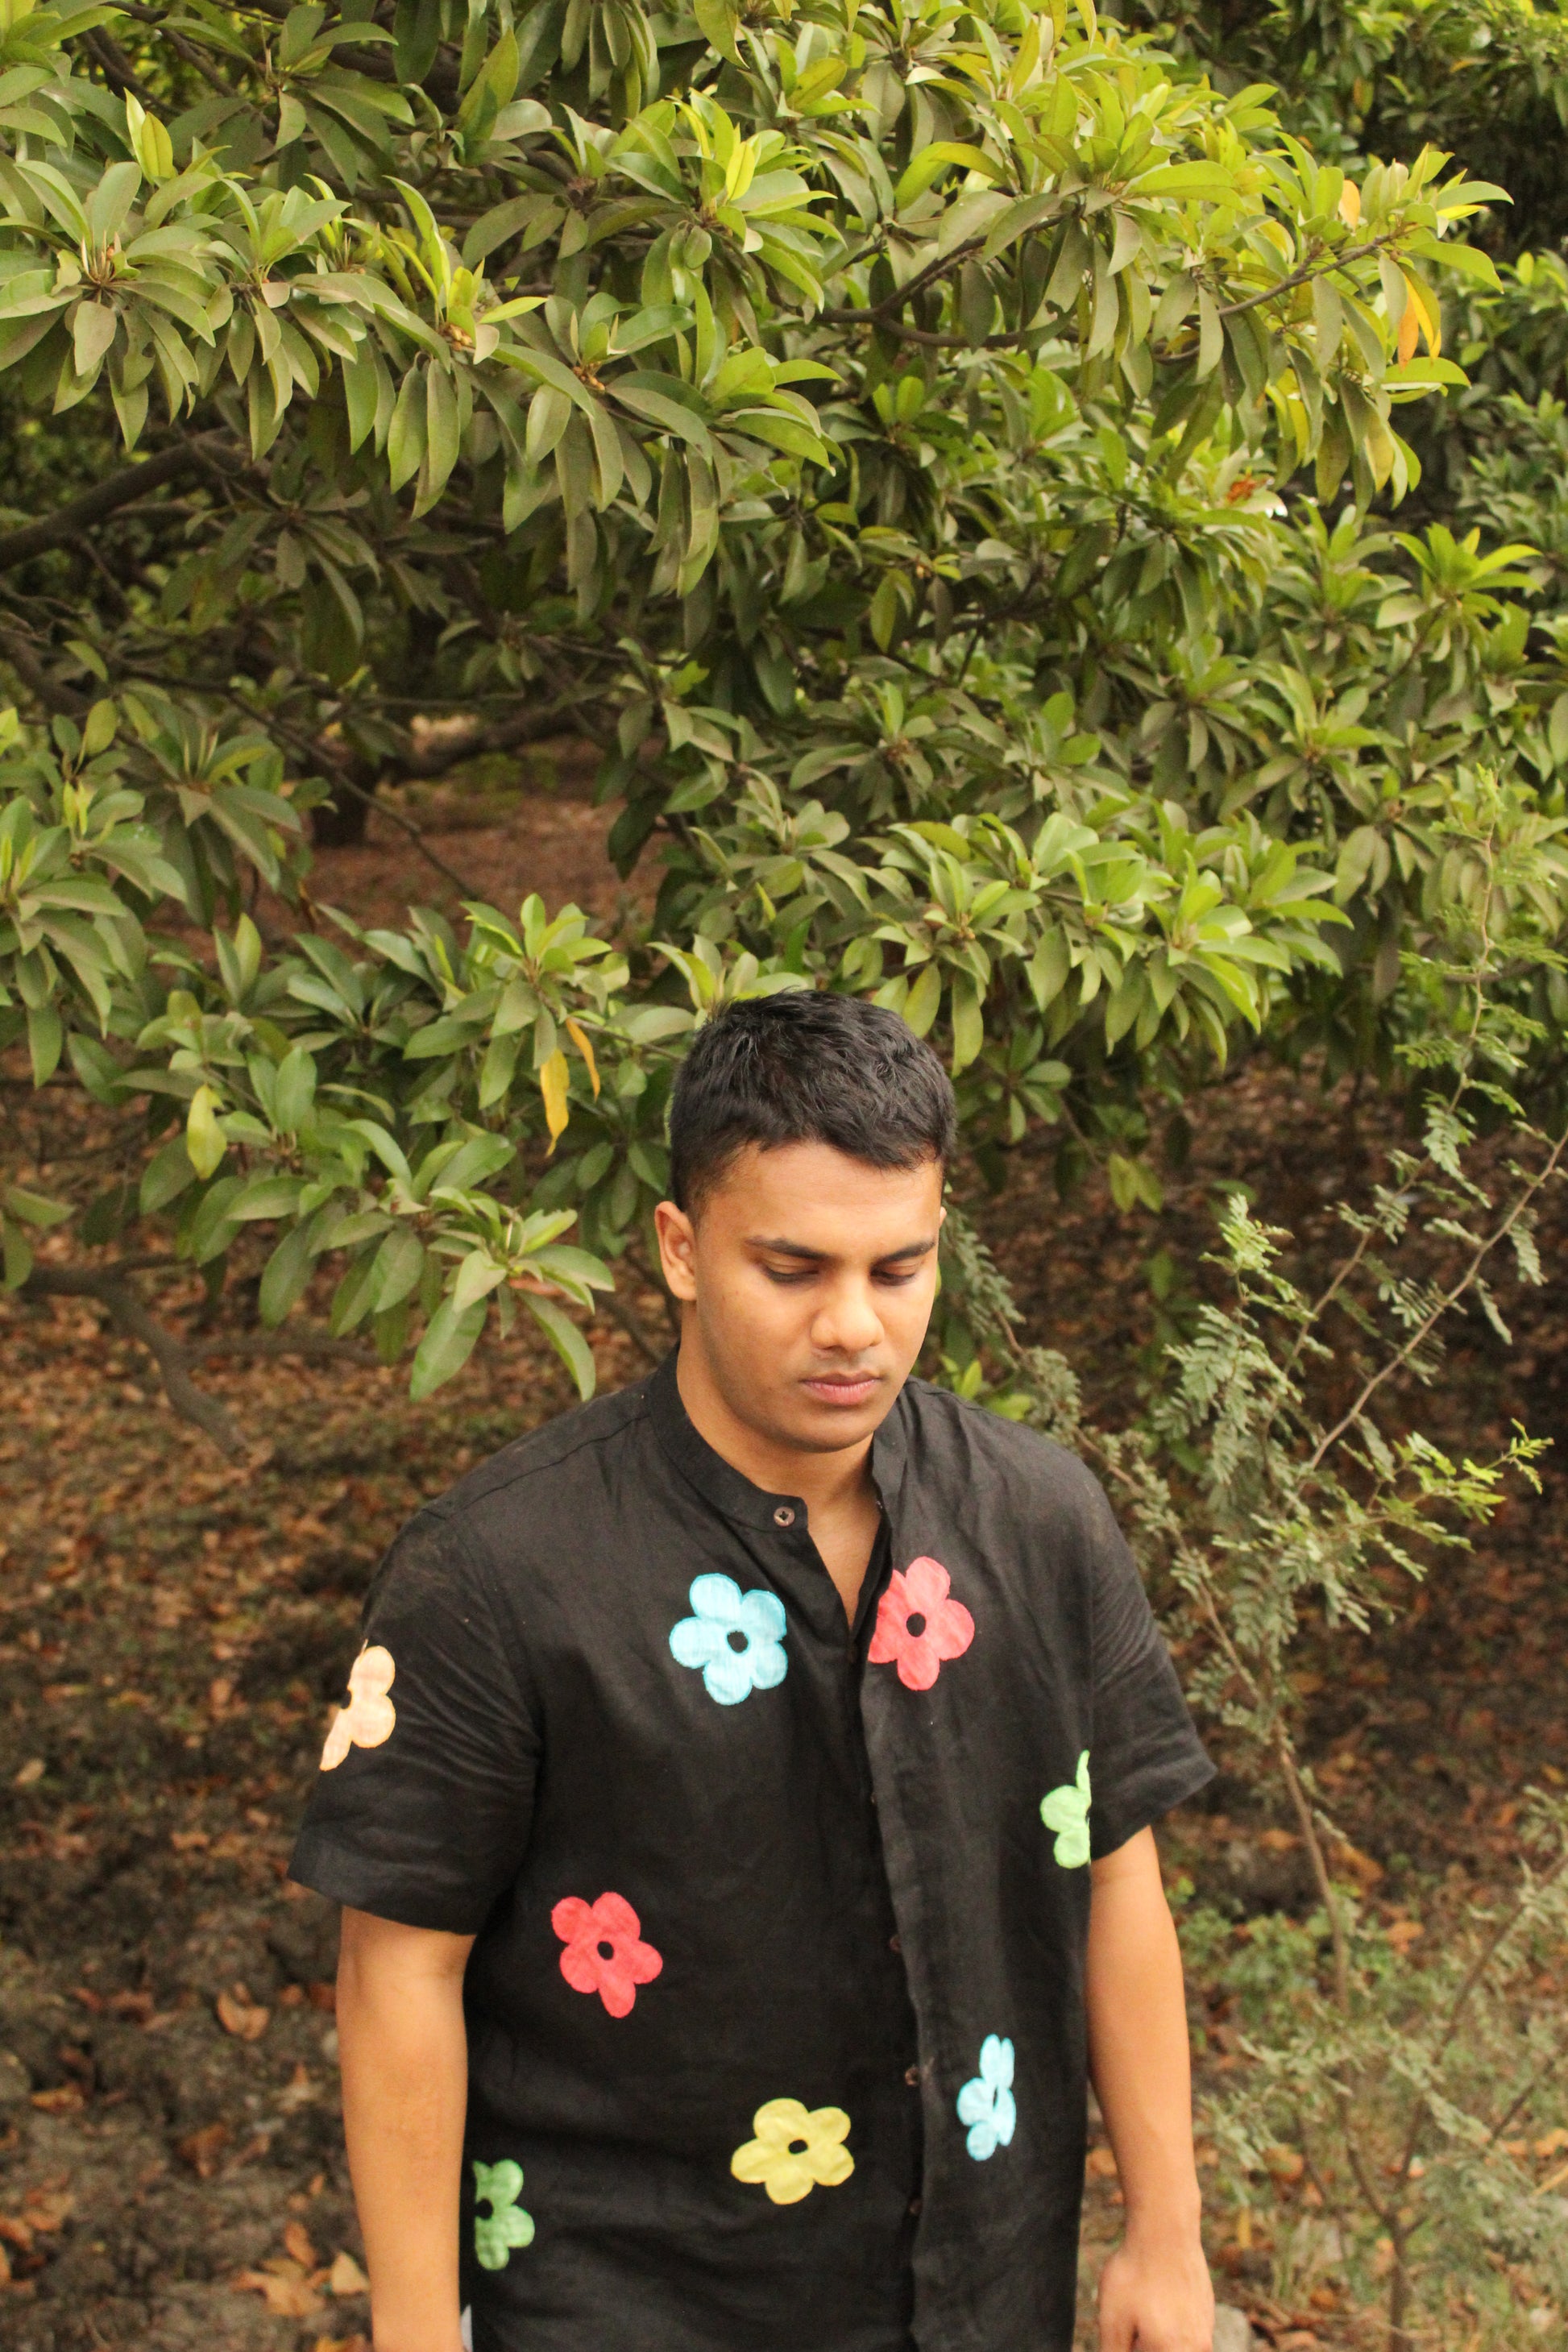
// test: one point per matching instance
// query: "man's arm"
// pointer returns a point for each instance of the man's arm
(404, 2054)
(1155, 2292)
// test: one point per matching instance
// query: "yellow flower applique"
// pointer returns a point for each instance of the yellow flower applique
(370, 1716)
(794, 2151)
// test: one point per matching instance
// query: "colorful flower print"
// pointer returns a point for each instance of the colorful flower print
(370, 1716)
(506, 2224)
(604, 1953)
(918, 1626)
(794, 2152)
(1066, 1810)
(736, 1638)
(986, 2104)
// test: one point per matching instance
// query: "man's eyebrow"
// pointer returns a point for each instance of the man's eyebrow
(780, 1249)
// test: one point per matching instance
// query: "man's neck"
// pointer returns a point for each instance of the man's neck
(825, 1483)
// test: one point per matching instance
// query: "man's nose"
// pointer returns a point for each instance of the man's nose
(848, 1321)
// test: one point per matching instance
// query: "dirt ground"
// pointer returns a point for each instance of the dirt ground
(173, 1630)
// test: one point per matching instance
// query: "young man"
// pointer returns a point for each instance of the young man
(742, 1813)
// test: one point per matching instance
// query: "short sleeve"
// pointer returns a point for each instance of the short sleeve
(1145, 1755)
(424, 1800)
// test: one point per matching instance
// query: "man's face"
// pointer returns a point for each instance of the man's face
(807, 1279)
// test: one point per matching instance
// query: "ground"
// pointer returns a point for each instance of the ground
(176, 1628)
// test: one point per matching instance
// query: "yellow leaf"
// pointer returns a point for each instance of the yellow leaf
(552, 1081)
(205, 1138)
(580, 1039)
(1409, 328)
(1349, 204)
(1425, 305)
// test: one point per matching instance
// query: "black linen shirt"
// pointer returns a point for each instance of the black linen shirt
(776, 2012)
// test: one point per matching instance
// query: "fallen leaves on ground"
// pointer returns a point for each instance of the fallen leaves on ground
(289, 2291)
(345, 2278)
(200, 2149)
(297, 2242)
(239, 2015)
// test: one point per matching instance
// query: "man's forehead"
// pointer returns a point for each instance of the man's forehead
(781, 1189)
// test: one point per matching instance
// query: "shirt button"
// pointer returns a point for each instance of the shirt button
(895, 1944)
(783, 1517)
(913, 2077)
(915, 2204)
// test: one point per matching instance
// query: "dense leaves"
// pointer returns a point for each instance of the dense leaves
(932, 449)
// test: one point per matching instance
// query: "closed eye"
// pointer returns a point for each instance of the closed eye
(893, 1277)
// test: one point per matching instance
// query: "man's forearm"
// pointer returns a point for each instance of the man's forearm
(1139, 2055)
(404, 2054)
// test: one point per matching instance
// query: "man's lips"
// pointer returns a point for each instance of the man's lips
(844, 1388)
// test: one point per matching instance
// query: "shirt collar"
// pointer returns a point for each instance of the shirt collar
(724, 1487)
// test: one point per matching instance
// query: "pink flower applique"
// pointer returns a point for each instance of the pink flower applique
(919, 1626)
(603, 1950)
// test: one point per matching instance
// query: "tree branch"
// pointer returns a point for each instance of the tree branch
(113, 1293)
(880, 315)
(67, 522)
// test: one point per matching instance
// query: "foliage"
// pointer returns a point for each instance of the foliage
(884, 411)
(1384, 79)
(1391, 2073)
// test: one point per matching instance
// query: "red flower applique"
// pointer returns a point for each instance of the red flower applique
(604, 1953)
(918, 1626)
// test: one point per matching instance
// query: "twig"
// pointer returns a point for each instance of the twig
(631, 1323)
(23, 657)
(131, 482)
(1448, 1299)
(113, 1293)
(318, 1344)
(306, 750)
(877, 316)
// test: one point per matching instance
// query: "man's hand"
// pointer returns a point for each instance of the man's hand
(1155, 2296)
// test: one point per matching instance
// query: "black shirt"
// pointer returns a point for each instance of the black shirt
(775, 2013)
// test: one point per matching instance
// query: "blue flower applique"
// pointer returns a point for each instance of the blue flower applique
(986, 2104)
(735, 1638)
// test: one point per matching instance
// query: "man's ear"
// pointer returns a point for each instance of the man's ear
(677, 1249)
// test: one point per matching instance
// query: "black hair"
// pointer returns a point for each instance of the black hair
(802, 1066)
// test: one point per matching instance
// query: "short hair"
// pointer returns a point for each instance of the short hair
(804, 1066)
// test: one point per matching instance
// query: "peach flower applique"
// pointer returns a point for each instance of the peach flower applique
(369, 1716)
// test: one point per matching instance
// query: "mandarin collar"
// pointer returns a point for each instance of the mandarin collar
(725, 1487)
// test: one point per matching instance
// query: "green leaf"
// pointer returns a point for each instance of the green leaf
(285, 1277)
(568, 1342)
(294, 1089)
(35, 1208)
(406, 441)
(396, 1271)
(924, 1000)
(167, 1175)
(45, 1038)
(448, 1342)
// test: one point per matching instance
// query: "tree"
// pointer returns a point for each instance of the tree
(878, 416)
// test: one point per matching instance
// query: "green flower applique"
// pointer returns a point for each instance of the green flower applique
(506, 2224)
(1066, 1810)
